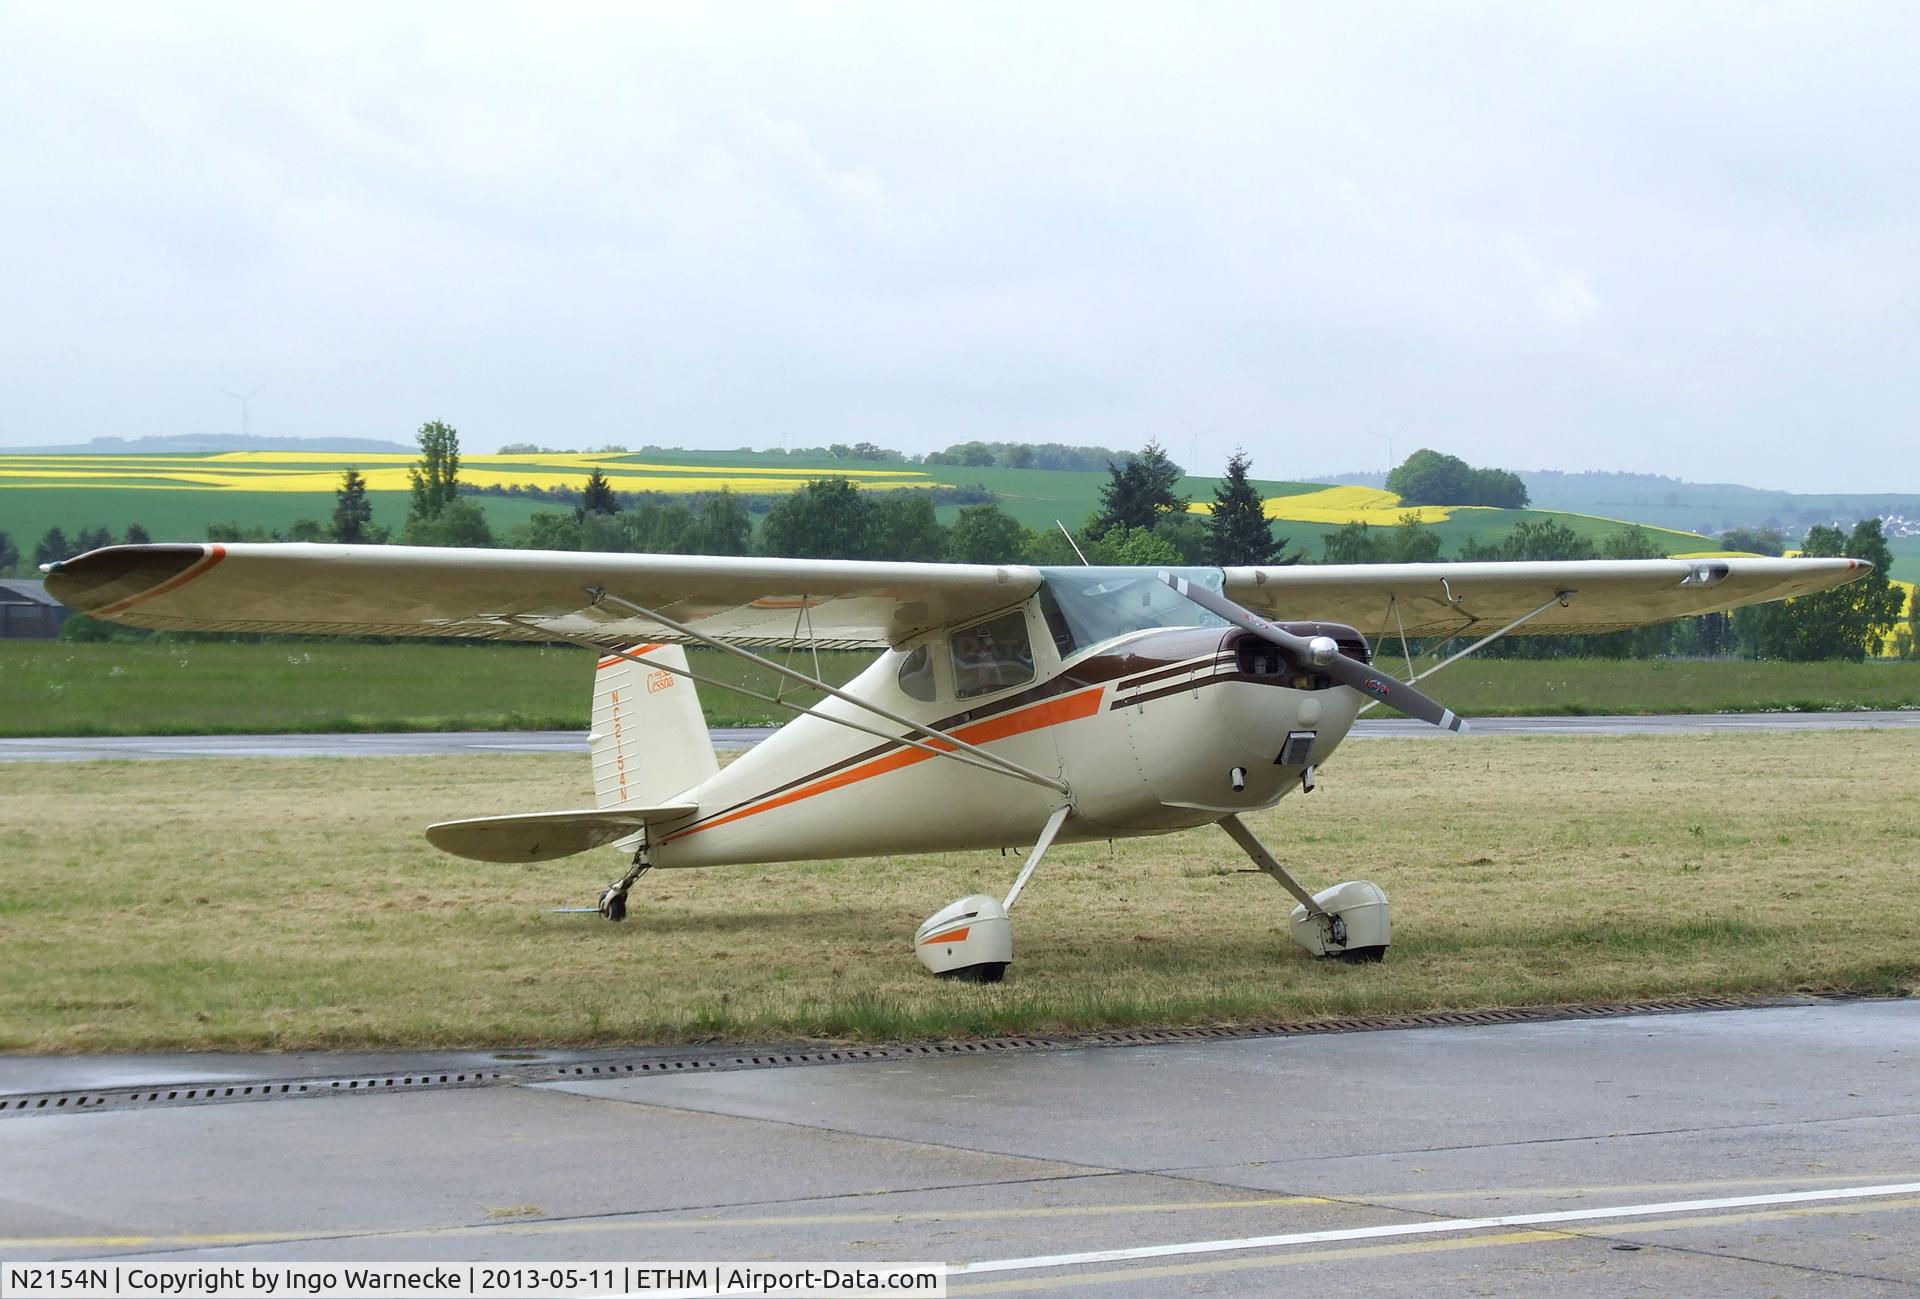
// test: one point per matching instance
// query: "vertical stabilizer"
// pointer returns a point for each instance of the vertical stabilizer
(649, 739)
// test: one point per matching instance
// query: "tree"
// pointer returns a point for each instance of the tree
(722, 526)
(1238, 531)
(138, 536)
(51, 548)
(1139, 493)
(92, 539)
(1847, 622)
(598, 498)
(1432, 478)
(9, 554)
(1906, 640)
(436, 477)
(549, 530)
(1406, 542)
(458, 523)
(1141, 546)
(987, 534)
(1755, 541)
(1531, 539)
(352, 511)
(905, 527)
(829, 518)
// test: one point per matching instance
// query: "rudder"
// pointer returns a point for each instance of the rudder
(649, 740)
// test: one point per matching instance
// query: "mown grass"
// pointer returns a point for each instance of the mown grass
(287, 904)
(154, 688)
(216, 688)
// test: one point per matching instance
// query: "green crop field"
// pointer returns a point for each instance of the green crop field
(1906, 558)
(195, 687)
(175, 496)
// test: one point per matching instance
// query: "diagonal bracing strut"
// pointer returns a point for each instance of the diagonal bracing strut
(586, 642)
(602, 595)
(1562, 598)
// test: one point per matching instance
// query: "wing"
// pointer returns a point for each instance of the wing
(1594, 595)
(426, 591)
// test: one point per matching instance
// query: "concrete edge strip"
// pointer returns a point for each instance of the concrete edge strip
(656, 1062)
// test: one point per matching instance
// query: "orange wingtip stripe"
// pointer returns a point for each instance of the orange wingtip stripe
(1068, 708)
(951, 936)
(215, 553)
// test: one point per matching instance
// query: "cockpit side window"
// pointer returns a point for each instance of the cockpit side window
(991, 655)
(1057, 624)
(916, 675)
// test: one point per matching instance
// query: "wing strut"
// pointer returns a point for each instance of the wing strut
(1006, 766)
(1563, 599)
(587, 643)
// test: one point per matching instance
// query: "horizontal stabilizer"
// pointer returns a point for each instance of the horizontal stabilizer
(543, 836)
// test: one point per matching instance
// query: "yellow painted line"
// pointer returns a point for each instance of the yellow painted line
(1635, 1188)
(1135, 1275)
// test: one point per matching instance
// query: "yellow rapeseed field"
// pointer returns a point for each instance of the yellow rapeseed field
(1341, 505)
(281, 471)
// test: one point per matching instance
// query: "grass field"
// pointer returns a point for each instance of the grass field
(151, 688)
(293, 903)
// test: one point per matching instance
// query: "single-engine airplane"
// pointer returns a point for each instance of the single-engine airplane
(1009, 705)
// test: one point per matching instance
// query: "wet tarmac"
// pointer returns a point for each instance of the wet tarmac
(1762, 1151)
(733, 738)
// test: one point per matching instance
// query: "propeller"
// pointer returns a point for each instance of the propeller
(1323, 652)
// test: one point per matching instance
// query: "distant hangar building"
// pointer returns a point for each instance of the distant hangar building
(27, 612)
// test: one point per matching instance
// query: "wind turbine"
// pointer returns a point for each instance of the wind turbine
(245, 424)
(1388, 439)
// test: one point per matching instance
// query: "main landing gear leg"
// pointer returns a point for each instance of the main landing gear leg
(972, 940)
(1350, 921)
(613, 902)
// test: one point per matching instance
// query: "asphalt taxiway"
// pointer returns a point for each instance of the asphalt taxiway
(423, 743)
(1738, 1152)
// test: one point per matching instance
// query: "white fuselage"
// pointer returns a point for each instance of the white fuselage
(1151, 732)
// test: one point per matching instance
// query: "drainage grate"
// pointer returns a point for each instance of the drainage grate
(654, 1063)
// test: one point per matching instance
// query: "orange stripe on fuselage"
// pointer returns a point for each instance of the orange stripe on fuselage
(613, 659)
(1052, 712)
(214, 555)
(951, 936)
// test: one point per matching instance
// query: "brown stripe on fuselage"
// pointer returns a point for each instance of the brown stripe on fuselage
(1186, 644)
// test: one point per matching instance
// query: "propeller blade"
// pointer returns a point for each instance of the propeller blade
(1323, 652)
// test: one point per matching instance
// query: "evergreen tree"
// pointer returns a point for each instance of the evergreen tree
(138, 536)
(436, 477)
(352, 511)
(1139, 493)
(9, 554)
(598, 498)
(52, 548)
(95, 538)
(1238, 531)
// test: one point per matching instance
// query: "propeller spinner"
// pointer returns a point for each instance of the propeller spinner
(1323, 652)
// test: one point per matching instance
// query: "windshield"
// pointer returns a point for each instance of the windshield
(1095, 604)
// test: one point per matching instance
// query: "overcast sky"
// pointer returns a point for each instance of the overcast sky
(1667, 238)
